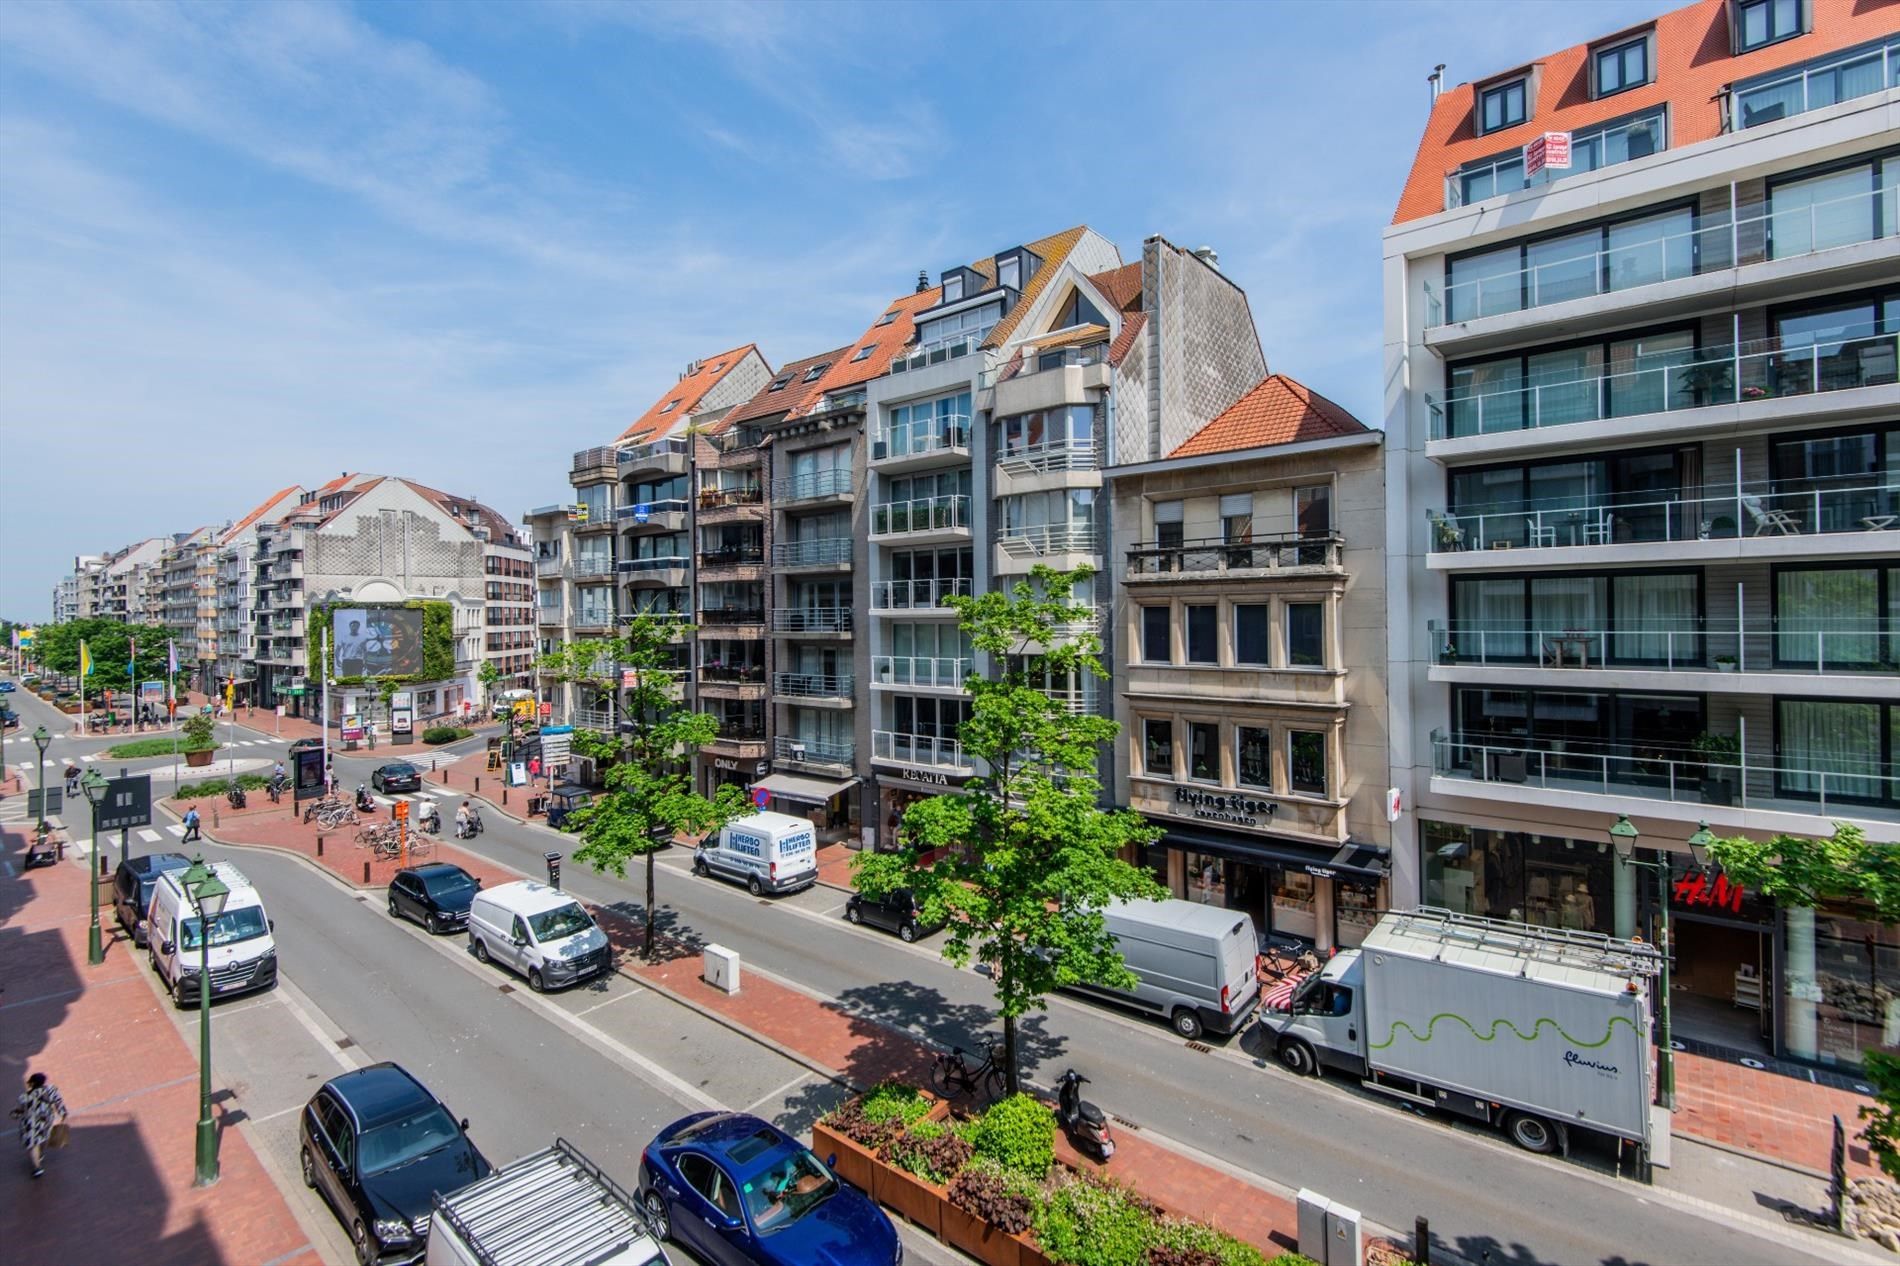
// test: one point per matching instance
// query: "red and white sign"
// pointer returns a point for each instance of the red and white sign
(629, 679)
(547, 709)
(1552, 149)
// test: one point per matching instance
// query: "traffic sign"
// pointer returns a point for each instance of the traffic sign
(295, 692)
(128, 802)
(760, 796)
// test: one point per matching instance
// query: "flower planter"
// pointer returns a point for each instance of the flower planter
(920, 1203)
(854, 1164)
(1030, 1253)
(200, 759)
(969, 1234)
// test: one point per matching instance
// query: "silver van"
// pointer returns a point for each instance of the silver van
(1195, 963)
(538, 931)
(767, 852)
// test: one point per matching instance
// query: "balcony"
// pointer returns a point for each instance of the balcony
(923, 520)
(550, 567)
(910, 672)
(1062, 545)
(815, 751)
(593, 621)
(1203, 559)
(592, 463)
(1825, 81)
(919, 597)
(1674, 381)
(830, 551)
(810, 621)
(837, 402)
(732, 555)
(1718, 242)
(1754, 520)
(935, 352)
(731, 505)
(1051, 379)
(600, 720)
(657, 516)
(725, 617)
(817, 485)
(661, 457)
(1726, 790)
(651, 573)
(934, 441)
(549, 617)
(753, 674)
(833, 688)
(1051, 457)
(591, 567)
(1590, 150)
(920, 750)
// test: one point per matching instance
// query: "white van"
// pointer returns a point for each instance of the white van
(243, 954)
(768, 852)
(538, 931)
(1196, 964)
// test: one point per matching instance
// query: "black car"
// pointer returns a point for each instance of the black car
(132, 886)
(398, 775)
(437, 896)
(377, 1145)
(9, 719)
(304, 744)
(897, 913)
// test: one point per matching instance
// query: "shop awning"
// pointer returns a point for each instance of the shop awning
(1351, 859)
(803, 790)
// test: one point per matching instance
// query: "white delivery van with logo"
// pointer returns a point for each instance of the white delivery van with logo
(767, 852)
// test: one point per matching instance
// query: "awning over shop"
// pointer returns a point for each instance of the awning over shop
(803, 790)
(1351, 859)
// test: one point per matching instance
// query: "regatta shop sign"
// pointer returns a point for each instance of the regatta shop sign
(1210, 806)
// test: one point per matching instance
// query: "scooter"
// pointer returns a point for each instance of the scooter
(235, 796)
(1085, 1122)
(365, 803)
(474, 827)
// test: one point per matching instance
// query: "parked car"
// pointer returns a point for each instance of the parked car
(898, 912)
(538, 931)
(437, 896)
(1194, 964)
(9, 719)
(305, 744)
(734, 1188)
(7, 686)
(398, 775)
(377, 1146)
(132, 886)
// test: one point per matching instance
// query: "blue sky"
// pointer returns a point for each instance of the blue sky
(253, 245)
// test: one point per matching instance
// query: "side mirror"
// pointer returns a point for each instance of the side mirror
(464, 1124)
(271, 923)
(167, 947)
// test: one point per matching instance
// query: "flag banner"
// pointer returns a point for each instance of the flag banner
(132, 661)
(85, 661)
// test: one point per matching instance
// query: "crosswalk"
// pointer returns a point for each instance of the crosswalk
(90, 757)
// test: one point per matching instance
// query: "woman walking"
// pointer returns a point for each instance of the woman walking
(40, 1110)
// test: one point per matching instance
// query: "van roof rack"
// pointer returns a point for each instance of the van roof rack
(1566, 947)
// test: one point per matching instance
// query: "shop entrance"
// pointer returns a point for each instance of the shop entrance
(1721, 993)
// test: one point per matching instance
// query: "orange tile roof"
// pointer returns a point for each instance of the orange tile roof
(1277, 411)
(684, 396)
(1693, 64)
(885, 341)
(263, 508)
(1131, 329)
(793, 394)
(1121, 286)
(1052, 251)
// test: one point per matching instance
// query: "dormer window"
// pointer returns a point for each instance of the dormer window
(1759, 23)
(1621, 66)
(952, 287)
(670, 406)
(721, 365)
(780, 383)
(1503, 106)
(816, 372)
(1009, 272)
(888, 317)
(864, 353)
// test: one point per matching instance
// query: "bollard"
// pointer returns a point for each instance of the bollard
(478, 784)
(214, 816)
(319, 846)
(366, 872)
(1422, 1242)
(504, 797)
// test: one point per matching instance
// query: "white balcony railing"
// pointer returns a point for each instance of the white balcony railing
(593, 565)
(923, 514)
(1049, 457)
(1035, 362)
(815, 751)
(1056, 538)
(911, 595)
(812, 484)
(813, 685)
(818, 553)
(919, 671)
(950, 347)
(811, 619)
(918, 749)
(657, 450)
(921, 436)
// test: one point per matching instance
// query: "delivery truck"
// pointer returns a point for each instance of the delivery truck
(551, 1208)
(1540, 1032)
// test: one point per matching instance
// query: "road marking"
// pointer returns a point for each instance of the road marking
(637, 989)
(175, 829)
(770, 1095)
(149, 836)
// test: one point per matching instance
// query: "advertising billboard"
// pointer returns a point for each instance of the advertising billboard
(401, 716)
(377, 641)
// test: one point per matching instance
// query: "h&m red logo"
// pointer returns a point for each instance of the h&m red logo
(1697, 889)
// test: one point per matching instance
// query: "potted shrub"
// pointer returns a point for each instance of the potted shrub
(916, 1167)
(855, 1132)
(1721, 758)
(1725, 663)
(200, 744)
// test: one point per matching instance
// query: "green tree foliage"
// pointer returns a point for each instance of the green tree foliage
(1882, 1131)
(1798, 870)
(1024, 858)
(489, 676)
(109, 642)
(649, 798)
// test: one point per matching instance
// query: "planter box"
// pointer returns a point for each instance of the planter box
(855, 1164)
(969, 1234)
(1031, 1254)
(200, 759)
(919, 1202)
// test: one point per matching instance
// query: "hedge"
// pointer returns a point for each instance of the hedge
(446, 734)
(218, 786)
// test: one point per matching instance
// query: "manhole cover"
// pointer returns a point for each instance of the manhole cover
(345, 1043)
(506, 988)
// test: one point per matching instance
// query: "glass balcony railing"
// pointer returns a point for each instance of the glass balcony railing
(658, 450)
(918, 749)
(643, 511)
(822, 552)
(591, 619)
(1719, 241)
(922, 436)
(644, 565)
(1054, 538)
(1848, 787)
(812, 484)
(1590, 150)
(1198, 558)
(924, 514)
(1669, 381)
(1826, 81)
(910, 595)
(813, 685)
(815, 751)
(1035, 362)
(1821, 644)
(1770, 510)
(593, 565)
(935, 352)
(920, 671)
(811, 619)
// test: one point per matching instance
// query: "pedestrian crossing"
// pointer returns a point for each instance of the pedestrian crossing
(91, 757)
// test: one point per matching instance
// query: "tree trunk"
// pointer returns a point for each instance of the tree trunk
(1012, 1079)
(646, 947)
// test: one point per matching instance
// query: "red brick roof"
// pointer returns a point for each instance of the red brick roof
(1131, 329)
(684, 396)
(885, 342)
(1693, 64)
(262, 509)
(1121, 286)
(794, 393)
(1277, 411)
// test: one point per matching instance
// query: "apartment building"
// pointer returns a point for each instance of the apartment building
(235, 659)
(188, 597)
(550, 541)
(1250, 616)
(66, 596)
(1641, 415)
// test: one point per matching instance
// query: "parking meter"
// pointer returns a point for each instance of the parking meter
(554, 869)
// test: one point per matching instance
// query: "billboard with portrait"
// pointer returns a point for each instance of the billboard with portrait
(377, 641)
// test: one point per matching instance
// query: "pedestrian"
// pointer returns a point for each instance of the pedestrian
(42, 1115)
(461, 821)
(191, 825)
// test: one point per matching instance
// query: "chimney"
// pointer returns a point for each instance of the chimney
(1437, 80)
(1207, 255)
(923, 280)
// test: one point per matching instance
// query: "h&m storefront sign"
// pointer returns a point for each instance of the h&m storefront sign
(1221, 806)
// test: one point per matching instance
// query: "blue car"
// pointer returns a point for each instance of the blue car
(737, 1190)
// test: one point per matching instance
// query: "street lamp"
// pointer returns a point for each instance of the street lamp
(208, 894)
(94, 785)
(41, 740)
(1623, 837)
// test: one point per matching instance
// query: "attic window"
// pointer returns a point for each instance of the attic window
(1503, 106)
(721, 365)
(779, 383)
(952, 288)
(1009, 272)
(864, 353)
(816, 372)
(888, 317)
(670, 406)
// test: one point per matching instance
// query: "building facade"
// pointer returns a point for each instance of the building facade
(1640, 540)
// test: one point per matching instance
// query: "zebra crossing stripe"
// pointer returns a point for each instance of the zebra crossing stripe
(149, 836)
(175, 829)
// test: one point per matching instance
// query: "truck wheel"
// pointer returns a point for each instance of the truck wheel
(1532, 1133)
(1187, 1024)
(700, 868)
(481, 952)
(754, 887)
(1298, 1057)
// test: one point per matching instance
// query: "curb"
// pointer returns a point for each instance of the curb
(1733, 1150)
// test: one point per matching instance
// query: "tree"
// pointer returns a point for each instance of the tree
(110, 644)
(649, 799)
(1796, 870)
(1020, 864)
(490, 677)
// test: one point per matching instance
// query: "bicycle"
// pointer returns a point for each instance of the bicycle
(952, 1075)
(340, 815)
(319, 807)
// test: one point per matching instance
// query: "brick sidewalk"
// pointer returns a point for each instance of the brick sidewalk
(131, 1084)
(1767, 1114)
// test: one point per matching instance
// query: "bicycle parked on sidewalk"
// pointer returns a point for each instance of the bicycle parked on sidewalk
(952, 1075)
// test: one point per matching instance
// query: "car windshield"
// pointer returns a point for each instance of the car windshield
(787, 1191)
(410, 1139)
(562, 921)
(448, 883)
(228, 928)
(399, 771)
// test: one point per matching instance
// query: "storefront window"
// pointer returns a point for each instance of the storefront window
(1294, 910)
(1538, 879)
(1206, 879)
(1842, 985)
(1355, 911)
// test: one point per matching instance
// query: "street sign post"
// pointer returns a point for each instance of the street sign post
(760, 796)
(55, 801)
(128, 802)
